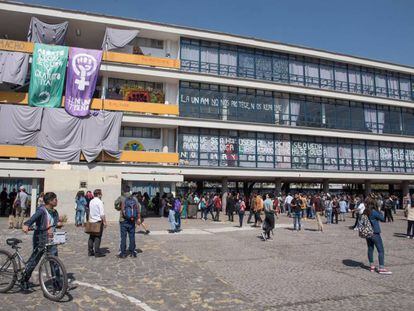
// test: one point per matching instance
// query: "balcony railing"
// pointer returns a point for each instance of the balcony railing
(102, 104)
(30, 152)
(110, 57)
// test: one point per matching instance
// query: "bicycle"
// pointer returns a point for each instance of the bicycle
(53, 278)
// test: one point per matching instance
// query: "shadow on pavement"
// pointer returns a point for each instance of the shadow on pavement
(354, 264)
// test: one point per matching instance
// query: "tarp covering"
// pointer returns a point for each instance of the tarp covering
(19, 125)
(117, 38)
(58, 135)
(40, 32)
(13, 67)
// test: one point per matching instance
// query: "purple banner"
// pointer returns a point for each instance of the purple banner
(82, 73)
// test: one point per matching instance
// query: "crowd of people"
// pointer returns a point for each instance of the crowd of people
(15, 205)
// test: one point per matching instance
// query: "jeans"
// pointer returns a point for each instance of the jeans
(328, 216)
(80, 216)
(388, 215)
(410, 228)
(257, 218)
(178, 220)
(376, 241)
(241, 216)
(249, 219)
(296, 221)
(217, 216)
(289, 209)
(127, 227)
(356, 220)
(342, 216)
(39, 239)
(94, 242)
(230, 216)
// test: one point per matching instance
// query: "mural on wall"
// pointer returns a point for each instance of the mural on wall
(136, 91)
(133, 145)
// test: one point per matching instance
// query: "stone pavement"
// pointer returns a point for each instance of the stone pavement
(217, 266)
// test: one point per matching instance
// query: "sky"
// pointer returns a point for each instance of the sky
(376, 29)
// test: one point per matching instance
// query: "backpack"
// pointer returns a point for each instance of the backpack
(117, 203)
(130, 209)
(365, 227)
(238, 207)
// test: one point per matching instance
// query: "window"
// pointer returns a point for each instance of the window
(150, 43)
(380, 84)
(190, 55)
(358, 156)
(209, 147)
(189, 100)
(209, 57)
(354, 77)
(386, 157)
(330, 154)
(282, 151)
(409, 158)
(311, 74)
(341, 80)
(408, 121)
(228, 60)
(345, 154)
(373, 163)
(263, 65)
(247, 149)
(299, 153)
(281, 108)
(393, 86)
(315, 155)
(296, 71)
(229, 148)
(392, 119)
(357, 117)
(133, 90)
(209, 101)
(141, 132)
(405, 88)
(246, 66)
(327, 75)
(398, 158)
(368, 82)
(265, 150)
(280, 68)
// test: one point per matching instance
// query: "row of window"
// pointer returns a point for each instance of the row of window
(237, 61)
(239, 104)
(210, 147)
(140, 132)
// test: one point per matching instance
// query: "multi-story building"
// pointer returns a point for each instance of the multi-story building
(211, 106)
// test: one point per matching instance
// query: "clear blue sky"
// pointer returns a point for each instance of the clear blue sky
(377, 29)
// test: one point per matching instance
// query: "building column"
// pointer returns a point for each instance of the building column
(405, 187)
(278, 186)
(367, 188)
(325, 187)
(33, 202)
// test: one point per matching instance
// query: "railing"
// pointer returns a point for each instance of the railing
(30, 152)
(111, 57)
(102, 104)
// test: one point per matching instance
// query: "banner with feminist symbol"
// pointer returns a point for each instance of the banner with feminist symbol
(81, 79)
(47, 75)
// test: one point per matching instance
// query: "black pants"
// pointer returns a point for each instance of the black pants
(335, 214)
(249, 219)
(270, 224)
(217, 217)
(257, 218)
(388, 215)
(94, 242)
(410, 228)
(356, 220)
(230, 214)
(241, 216)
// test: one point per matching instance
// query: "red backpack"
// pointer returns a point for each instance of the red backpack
(217, 202)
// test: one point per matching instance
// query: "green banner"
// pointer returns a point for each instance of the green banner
(47, 75)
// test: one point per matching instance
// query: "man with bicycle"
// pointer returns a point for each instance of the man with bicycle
(46, 220)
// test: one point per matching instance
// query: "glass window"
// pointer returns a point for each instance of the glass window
(295, 110)
(265, 150)
(299, 154)
(282, 151)
(345, 155)
(247, 149)
(246, 63)
(188, 145)
(368, 82)
(263, 65)
(229, 103)
(408, 121)
(209, 57)
(280, 68)
(354, 76)
(296, 71)
(357, 117)
(189, 100)
(398, 158)
(392, 119)
(311, 74)
(327, 75)
(409, 158)
(282, 109)
(247, 106)
(373, 163)
(330, 155)
(209, 147)
(393, 88)
(127, 132)
(190, 55)
(380, 84)
(264, 107)
(341, 80)
(358, 156)
(315, 155)
(370, 116)
(209, 101)
(229, 149)
(386, 157)
(405, 88)
(228, 60)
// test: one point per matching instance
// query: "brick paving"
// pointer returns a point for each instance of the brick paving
(216, 266)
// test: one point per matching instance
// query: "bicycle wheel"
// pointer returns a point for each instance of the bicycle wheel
(8, 271)
(53, 278)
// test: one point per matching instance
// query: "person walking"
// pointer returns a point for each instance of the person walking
(177, 210)
(20, 206)
(343, 207)
(335, 210)
(252, 207)
(258, 210)
(217, 206)
(296, 211)
(231, 206)
(128, 207)
(269, 222)
(172, 221)
(80, 208)
(328, 210)
(359, 210)
(241, 210)
(202, 208)
(96, 215)
(388, 206)
(375, 240)
(410, 218)
(288, 201)
(184, 210)
(317, 206)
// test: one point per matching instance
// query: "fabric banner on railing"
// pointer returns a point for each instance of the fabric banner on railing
(47, 75)
(81, 80)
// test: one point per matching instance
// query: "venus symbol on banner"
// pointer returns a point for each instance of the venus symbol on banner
(83, 65)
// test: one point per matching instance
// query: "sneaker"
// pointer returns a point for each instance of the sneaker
(384, 271)
(121, 256)
(407, 236)
(133, 254)
(372, 268)
(263, 236)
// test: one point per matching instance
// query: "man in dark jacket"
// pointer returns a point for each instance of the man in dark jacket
(231, 207)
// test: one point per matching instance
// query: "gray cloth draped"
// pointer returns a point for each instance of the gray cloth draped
(19, 125)
(117, 38)
(13, 67)
(41, 32)
(58, 135)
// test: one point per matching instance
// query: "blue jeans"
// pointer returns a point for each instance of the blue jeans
(289, 210)
(178, 220)
(127, 227)
(80, 216)
(297, 225)
(328, 216)
(376, 241)
(241, 216)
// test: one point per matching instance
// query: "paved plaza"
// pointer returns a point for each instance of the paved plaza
(217, 266)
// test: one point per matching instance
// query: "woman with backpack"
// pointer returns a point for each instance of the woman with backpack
(370, 229)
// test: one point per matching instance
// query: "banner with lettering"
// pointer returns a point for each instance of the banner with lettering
(81, 79)
(47, 75)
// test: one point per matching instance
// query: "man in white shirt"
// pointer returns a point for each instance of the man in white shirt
(359, 211)
(288, 201)
(96, 215)
(20, 206)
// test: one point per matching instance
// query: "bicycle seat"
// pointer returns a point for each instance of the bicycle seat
(13, 241)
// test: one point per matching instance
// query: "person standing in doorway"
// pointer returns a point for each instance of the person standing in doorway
(20, 206)
(3, 202)
(81, 203)
(96, 215)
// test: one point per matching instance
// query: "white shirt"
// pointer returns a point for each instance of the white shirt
(96, 210)
(288, 199)
(361, 208)
(22, 196)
